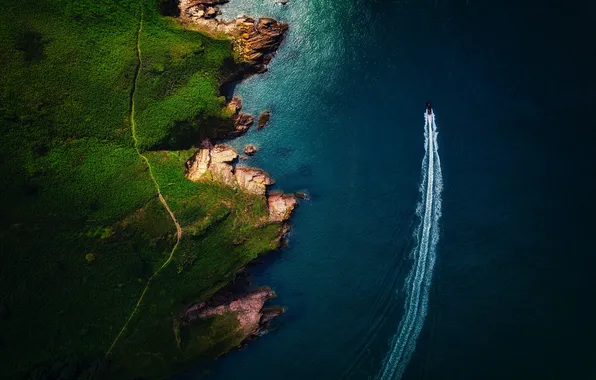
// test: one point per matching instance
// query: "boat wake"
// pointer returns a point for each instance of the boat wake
(418, 281)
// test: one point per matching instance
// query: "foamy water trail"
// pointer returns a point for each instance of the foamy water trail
(418, 281)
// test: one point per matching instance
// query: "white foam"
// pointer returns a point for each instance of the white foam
(418, 281)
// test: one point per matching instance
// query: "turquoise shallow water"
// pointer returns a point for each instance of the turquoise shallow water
(510, 84)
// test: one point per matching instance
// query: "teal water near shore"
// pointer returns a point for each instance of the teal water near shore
(510, 83)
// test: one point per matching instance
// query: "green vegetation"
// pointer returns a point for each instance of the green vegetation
(83, 231)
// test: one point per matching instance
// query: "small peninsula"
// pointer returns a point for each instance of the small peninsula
(126, 223)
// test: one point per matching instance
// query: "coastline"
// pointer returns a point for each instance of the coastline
(255, 43)
(151, 221)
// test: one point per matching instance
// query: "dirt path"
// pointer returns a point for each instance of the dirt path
(133, 126)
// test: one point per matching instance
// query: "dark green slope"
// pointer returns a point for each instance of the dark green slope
(82, 228)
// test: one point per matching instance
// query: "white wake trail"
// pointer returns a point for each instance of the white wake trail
(418, 281)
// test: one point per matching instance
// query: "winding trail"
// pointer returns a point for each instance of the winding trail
(133, 126)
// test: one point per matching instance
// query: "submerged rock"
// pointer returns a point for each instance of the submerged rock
(302, 195)
(263, 119)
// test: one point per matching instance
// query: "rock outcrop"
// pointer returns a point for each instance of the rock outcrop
(281, 206)
(241, 121)
(253, 180)
(250, 150)
(216, 162)
(256, 41)
(263, 119)
(247, 307)
(259, 40)
(235, 105)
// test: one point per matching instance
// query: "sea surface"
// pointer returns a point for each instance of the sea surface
(498, 279)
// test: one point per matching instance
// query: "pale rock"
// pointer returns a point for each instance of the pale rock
(253, 180)
(218, 161)
(250, 150)
(223, 153)
(235, 105)
(198, 165)
(248, 309)
(280, 206)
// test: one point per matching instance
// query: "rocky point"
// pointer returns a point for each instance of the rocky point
(247, 307)
(216, 164)
(255, 40)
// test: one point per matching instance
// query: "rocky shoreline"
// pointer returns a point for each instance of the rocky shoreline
(216, 163)
(255, 42)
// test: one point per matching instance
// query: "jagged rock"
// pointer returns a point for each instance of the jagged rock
(248, 309)
(216, 161)
(280, 241)
(250, 150)
(263, 119)
(270, 313)
(211, 12)
(223, 173)
(254, 40)
(235, 105)
(253, 180)
(223, 154)
(196, 12)
(280, 206)
(259, 39)
(198, 164)
(242, 122)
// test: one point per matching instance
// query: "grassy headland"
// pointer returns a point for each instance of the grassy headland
(83, 228)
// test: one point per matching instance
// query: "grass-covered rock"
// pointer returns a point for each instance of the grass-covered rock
(100, 105)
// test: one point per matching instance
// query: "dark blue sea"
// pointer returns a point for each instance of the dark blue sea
(498, 279)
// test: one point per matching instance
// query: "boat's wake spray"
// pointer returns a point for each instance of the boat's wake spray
(418, 281)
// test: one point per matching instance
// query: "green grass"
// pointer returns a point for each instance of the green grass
(82, 228)
(178, 85)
